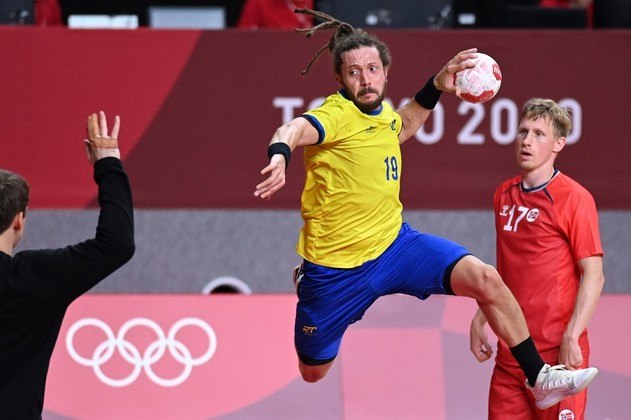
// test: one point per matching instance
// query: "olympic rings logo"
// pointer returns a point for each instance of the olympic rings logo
(130, 353)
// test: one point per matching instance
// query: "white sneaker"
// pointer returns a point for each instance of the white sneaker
(555, 383)
(297, 274)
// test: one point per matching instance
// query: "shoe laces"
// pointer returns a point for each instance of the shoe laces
(557, 378)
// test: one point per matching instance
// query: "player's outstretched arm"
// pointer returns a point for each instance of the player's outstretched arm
(297, 132)
(72, 270)
(416, 111)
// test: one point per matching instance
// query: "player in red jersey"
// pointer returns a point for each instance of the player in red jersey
(550, 256)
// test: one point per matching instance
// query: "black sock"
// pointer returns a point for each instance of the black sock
(529, 359)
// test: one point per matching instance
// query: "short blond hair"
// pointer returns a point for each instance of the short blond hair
(537, 108)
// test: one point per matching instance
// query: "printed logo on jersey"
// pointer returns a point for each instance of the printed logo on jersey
(393, 125)
(308, 330)
(371, 129)
(566, 415)
(532, 215)
(516, 215)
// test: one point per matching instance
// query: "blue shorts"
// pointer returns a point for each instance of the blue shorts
(331, 299)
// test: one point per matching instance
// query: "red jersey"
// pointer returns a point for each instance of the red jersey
(542, 233)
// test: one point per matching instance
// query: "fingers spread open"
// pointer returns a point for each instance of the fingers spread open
(97, 132)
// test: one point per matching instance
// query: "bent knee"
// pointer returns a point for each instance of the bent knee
(312, 374)
(489, 284)
(478, 280)
(311, 377)
(490, 277)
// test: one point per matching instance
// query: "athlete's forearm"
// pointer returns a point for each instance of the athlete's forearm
(587, 297)
(479, 319)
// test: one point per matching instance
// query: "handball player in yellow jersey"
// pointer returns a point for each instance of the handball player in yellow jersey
(354, 243)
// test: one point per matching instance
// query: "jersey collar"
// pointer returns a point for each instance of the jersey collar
(539, 187)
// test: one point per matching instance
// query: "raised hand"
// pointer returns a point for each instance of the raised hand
(444, 80)
(99, 144)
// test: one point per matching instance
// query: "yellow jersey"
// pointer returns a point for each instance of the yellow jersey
(350, 203)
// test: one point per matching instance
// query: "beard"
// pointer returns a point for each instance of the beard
(366, 106)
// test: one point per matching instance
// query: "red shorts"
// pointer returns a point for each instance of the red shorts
(510, 399)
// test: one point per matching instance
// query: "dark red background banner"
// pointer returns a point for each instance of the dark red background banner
(198, 109)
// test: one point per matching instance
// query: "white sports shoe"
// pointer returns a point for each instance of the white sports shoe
(556, 382)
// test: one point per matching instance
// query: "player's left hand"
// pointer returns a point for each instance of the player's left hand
(444, 80)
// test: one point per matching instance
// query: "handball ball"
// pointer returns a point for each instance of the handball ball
(480, 83)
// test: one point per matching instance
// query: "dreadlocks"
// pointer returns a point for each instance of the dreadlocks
(345, 38)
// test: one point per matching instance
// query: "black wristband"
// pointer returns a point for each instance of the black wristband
(428, 96)
(279, 148)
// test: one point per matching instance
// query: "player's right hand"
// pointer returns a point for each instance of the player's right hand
(276, 179)
(479, 342)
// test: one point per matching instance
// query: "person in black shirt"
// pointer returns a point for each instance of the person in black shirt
(36, 287)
